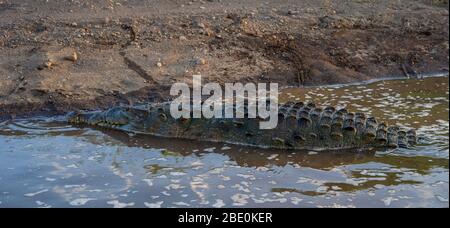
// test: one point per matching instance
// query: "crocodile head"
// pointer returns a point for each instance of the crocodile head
(123, 118)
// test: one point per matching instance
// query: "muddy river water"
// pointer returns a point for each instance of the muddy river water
(46, 163)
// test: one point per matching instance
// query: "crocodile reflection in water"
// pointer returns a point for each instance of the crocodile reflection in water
(325, 160)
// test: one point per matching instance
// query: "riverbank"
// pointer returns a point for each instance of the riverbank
(56, 57)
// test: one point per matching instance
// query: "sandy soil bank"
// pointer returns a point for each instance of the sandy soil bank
(57, 56)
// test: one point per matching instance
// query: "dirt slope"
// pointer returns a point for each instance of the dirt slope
(131, 51)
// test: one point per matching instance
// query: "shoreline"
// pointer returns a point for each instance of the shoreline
(435, 74)
(61, 114)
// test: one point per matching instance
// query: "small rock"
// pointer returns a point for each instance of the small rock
(21, 86)
(200, 25)
(200, 61)
(183, 38)
(73, 57)
(159, 64)
(49, 64)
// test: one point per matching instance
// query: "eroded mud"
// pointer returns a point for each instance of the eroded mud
(133, 51)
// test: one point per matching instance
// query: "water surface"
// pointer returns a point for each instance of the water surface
(46, 163)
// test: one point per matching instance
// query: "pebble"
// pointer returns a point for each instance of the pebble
(73, 57)
(49, 64)
(200, 61)
(201, 25)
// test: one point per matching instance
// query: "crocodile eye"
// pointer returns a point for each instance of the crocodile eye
(163, 117)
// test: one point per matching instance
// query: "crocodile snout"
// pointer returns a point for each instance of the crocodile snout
(73, 117)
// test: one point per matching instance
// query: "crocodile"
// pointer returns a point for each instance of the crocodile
(300, 126)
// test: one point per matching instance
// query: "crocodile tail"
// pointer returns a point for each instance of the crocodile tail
(333, 128)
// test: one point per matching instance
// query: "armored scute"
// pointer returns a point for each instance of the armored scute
(300, 126)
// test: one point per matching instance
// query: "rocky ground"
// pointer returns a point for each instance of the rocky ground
(60, 55)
